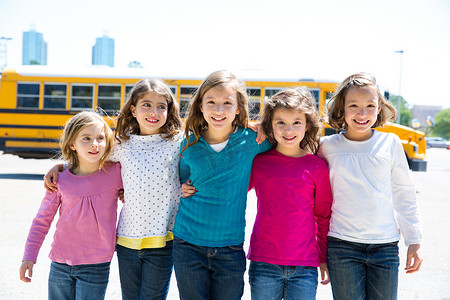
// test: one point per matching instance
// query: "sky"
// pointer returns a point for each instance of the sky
(321, 39)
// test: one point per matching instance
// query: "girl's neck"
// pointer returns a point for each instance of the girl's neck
(358, 136)
(86, 168)
(291, 152)
(212, 136)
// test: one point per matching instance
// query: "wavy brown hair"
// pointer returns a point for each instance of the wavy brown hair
(299, 99)
(73, 127)
(336, 114)
(195, 121)
(127, 124)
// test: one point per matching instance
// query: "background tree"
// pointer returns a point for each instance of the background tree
(134, 64)
(442, 121)
(405, 110)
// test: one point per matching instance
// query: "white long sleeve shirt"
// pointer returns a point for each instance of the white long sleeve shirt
(373, 194)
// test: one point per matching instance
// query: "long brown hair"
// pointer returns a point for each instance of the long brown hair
(195, 121)
(336, 114)
(127, 124)
(298, 99)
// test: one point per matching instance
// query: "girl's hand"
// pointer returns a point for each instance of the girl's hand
(121, 195)
(187, 189)
(414, 254)
(324, 275)
(260, 135)
(51, 178)
(26, 265)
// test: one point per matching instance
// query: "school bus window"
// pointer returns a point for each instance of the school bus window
(174, 90)
(315, 93)
(254, 102)
(55, 96)
(109, 97)
(328, 96)
(82, 96)
(269, 92)
(186, 94)
(127, 90)
(28, 95)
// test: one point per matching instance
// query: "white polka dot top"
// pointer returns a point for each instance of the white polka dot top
(151, 183)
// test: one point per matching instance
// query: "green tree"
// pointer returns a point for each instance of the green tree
(405, 111)
(135, 64)
(442, 121)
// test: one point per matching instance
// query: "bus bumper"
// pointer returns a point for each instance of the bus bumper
(417, 165)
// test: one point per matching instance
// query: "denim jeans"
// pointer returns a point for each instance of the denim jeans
(209, 272)
(145, 273)
(363, 271)
(269, 281)
(78, 282)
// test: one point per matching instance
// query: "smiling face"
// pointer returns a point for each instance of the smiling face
(90, 146)
(289, 127)
(150, 113)
(361, 110)
(220, 107)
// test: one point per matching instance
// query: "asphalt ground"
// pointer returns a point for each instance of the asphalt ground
(22, 190)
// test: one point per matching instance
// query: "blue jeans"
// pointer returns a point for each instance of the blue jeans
(78, 282)
(145, 273)
(269, 281)
(363, 271)
(209, 272)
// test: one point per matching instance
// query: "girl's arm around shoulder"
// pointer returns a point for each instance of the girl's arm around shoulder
(116, 152)
(260, 145)
(260, 135)
(51, 178)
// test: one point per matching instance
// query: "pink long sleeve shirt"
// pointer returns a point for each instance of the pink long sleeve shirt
(86, 229)
(294, 209)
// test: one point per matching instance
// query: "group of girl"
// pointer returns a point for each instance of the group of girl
(185, 197)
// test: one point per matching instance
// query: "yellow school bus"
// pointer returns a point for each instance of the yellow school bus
(36, 101)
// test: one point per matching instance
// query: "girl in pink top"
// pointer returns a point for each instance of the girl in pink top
(289, 239)
(85, 237)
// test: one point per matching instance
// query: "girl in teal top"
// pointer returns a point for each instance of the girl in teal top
(216, 160)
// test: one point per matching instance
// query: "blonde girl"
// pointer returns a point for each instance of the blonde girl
(289, 238)
(148, 142)
(373, 195)
(209, 259)
(85, 237)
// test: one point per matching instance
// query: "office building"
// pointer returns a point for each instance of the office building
(34, 48)
(103, 51)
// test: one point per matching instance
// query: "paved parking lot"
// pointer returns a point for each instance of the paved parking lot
(22, 190)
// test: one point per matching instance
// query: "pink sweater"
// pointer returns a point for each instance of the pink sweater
(86, 229)
(294, 209)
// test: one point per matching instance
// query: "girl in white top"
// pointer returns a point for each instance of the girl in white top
(149, 136)
(373, 195)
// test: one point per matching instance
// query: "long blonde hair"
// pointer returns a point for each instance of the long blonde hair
(195, 121)
(127, 123)
(336, 114)
(71, 130)
(298, 99)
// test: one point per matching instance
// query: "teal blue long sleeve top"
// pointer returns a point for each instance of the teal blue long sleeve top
(215, 215)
